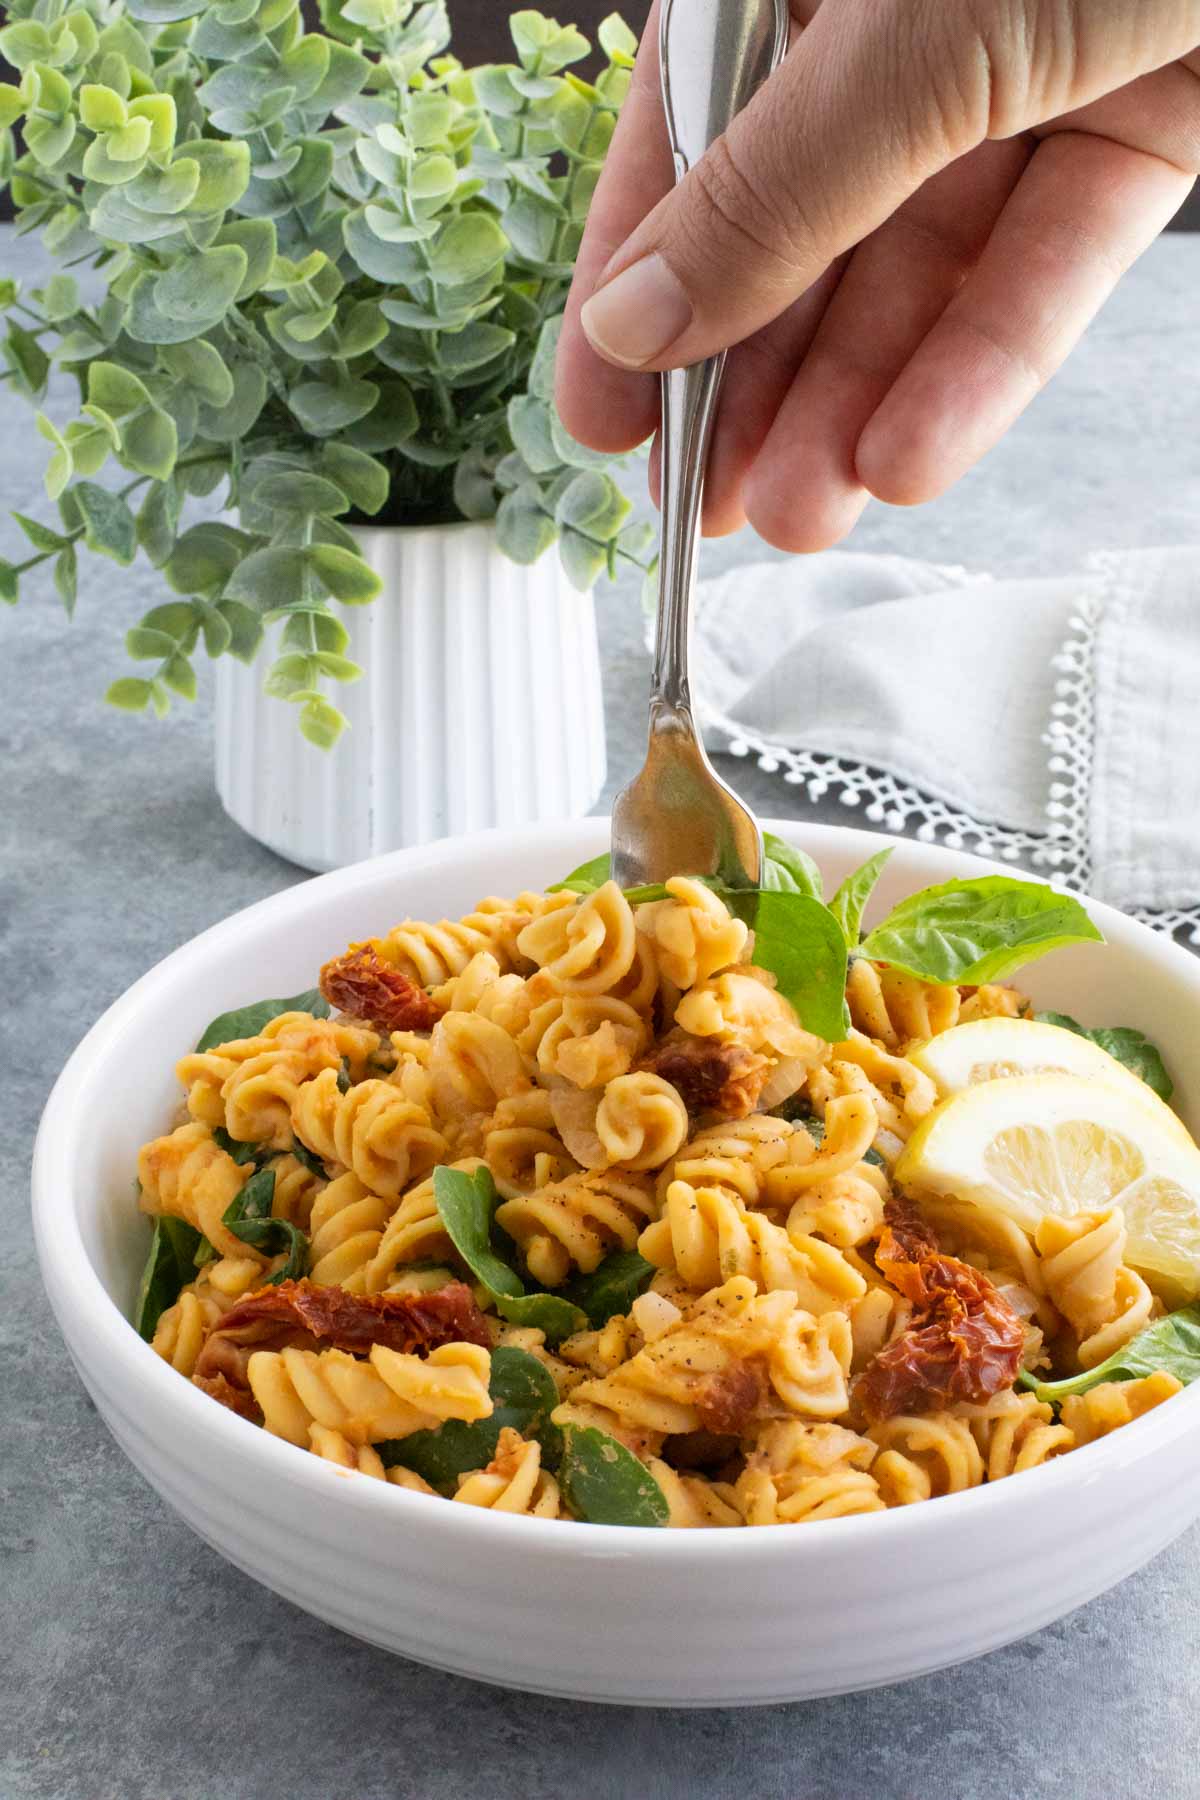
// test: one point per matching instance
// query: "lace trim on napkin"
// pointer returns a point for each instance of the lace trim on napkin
(1061, 852)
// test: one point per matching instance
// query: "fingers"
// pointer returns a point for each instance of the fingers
(600, 405)
(804, 491)
(757, 378)
(1082, 212)
(802, 175)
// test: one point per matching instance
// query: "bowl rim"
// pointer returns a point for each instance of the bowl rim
(78, 1294)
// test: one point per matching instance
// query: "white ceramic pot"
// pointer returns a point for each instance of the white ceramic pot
(596, 1612)
(481, 706)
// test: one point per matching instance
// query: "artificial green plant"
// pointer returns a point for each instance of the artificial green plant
(331, 270)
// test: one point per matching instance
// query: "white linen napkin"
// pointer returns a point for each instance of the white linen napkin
(1054, 722)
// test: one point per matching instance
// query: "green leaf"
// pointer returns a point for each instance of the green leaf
(364, 480)
(321, 723)
(129, 694)
(169, 1267)
(347, 577)
(970, 932)
(28, 361)
(248, 1216)
(224, 167)
(1130, 1047)
(9, 582)
(296, 491)
(586, 878)
(157, 520)
(617, 41)
(107, 521)
(790, 870)
(523, 1397)
(42, 537)
(851, 898)
(60, 297)
(119, 391)
(200, 366)
(66, 578)
(241, 1153)
(524, 529)
(583, 560)
(205, 557)
(612, 1288)
(150, 443)
(325, 407)
(801, 943)
(257, 238)
(467, 249)
(1171, 1343)
(249, 1021)
(466, 1204)
(604, 1483)
(199, 289)
(270, 579)
(529, 427)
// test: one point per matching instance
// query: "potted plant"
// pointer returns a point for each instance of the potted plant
(321, 279)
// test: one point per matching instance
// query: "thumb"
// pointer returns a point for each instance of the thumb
(849, 126)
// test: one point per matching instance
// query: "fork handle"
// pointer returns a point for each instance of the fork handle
(714, 55)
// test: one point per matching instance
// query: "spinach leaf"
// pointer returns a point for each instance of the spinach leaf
(1171, 1343)
(205, 1253)
(851, 898)
(170, 1265)
(605, 1483)
(523, 1396)
(1128, 1046)
(790, 870)
(312, 1163)
(466, 1205)
(612, 1288)
(240, 1152)
(979, 930)
(248, 1216)
(798, 939)
(248, 1021)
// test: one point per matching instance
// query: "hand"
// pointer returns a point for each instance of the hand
(903, 235)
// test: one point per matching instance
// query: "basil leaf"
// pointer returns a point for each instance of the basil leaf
(170, 1265)
(612, 1288)
(1171, 1343)
(248, 1216)
(248, 1021)
(1130, 1047)
(523, 1396)
(205, 1253)
(979, 930)
(790, 870)
(605, 1483)
(586, 878)
(801, 943)
(466, 1205)
(851, 898)
(240, 1152)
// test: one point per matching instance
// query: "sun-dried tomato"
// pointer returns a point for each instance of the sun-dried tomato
(297, 1315)
(728, 1399)
(964, 1340)
(725, 1079)
(363, 986)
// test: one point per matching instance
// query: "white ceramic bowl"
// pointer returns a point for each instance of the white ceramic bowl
(688, 1618)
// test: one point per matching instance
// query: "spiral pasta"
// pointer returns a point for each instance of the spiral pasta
(923, 1457)
(1103, 1301)
(585, 1039)
(743, 1007)
(256, 1081)
(514, 1481)
(798, 1473)
(694, 932)
(901, 1093)
(585, 949)
(708, 1235)
(386, 1140)
(1112, 1404)
(187, 1175)
(474, 1065)
(346, 1227)
(574, 1223)
(694, 1500)
(431, 954)
(413, 1233)
(1016, 1432)
(389, 1395)
(736, 1154)
(896, 1009)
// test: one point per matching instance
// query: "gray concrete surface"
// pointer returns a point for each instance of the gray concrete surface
(134, 1663)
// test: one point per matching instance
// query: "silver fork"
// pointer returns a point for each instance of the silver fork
(678, 817)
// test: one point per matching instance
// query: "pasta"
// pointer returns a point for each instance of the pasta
(603, 1195)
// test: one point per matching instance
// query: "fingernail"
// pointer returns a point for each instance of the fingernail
(638, 315)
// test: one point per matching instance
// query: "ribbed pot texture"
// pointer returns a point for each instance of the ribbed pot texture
(480, 706)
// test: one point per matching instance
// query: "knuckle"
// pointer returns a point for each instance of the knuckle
(749, 209)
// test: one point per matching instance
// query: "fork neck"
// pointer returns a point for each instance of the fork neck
(689, 399)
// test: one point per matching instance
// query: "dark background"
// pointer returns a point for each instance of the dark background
(481, 35)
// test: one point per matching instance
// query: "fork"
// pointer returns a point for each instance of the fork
(677, 817)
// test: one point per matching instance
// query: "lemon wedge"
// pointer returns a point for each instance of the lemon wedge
(992, 1049)
(1065, 1144)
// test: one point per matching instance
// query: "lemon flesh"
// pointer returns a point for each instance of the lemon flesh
(996, 1049)
(1027, 1145)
